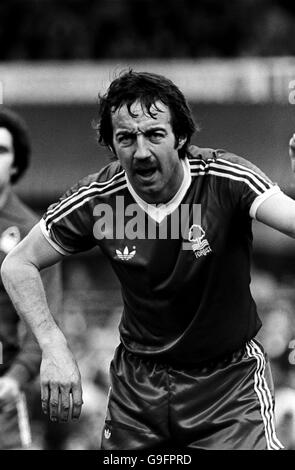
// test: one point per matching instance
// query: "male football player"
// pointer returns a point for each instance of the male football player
(175, 222)
(20, 354)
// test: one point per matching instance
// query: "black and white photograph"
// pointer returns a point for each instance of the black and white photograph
(147, 228)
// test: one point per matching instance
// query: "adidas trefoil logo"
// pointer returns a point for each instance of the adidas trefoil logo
(126, 255)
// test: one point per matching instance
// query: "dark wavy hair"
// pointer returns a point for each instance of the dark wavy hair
(147, 88)
(21, 141)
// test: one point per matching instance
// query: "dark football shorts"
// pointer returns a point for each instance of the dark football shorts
(225, 405)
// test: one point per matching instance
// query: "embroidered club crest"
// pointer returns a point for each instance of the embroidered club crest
(200, 244)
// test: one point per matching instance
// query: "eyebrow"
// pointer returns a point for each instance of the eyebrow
(149, 129)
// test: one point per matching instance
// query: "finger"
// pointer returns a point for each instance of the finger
(65, 403)
(77, 401)
(53, 402)
(45, 398)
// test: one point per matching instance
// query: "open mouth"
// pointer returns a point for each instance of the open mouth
(145, 172)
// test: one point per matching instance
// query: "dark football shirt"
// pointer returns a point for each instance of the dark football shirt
(186, 295)
(18, 346)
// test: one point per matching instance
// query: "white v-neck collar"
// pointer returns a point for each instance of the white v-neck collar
(159, 211)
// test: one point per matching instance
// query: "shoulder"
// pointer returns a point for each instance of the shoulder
(236, 163)
(195, 153)
(224, 163)
(108, 178)
(109, 173)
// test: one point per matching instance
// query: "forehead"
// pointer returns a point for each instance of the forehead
(159, 115)
(5, 137)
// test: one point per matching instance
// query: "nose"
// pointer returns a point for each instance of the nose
(141, 150)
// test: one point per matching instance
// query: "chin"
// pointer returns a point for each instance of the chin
(148, 194)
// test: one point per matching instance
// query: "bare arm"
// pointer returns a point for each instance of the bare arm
(59, 373)
(279, 210)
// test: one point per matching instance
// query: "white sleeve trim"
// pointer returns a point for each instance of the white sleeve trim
(261, 198)
(46, 234)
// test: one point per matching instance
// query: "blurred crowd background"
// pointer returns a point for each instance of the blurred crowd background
(235, 61)
(112, 29)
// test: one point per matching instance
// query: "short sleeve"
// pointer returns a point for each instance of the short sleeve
(68, 224)
(249, 186)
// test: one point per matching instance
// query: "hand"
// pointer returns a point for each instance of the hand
(292, 152)
(60, 378)
(9, 393)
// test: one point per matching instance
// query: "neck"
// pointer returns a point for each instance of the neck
(4, 195)
(173, 188)
(166, 195)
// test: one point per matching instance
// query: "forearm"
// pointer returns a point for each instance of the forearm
(23, 283)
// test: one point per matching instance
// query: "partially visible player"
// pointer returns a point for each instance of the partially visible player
(20, 361)
(189, 371)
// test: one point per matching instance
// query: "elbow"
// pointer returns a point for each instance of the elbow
(8, 268)
(16, 267)
(13, 266)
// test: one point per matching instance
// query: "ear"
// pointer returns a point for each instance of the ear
(112, 150)
(181, 142)
(114, 155)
